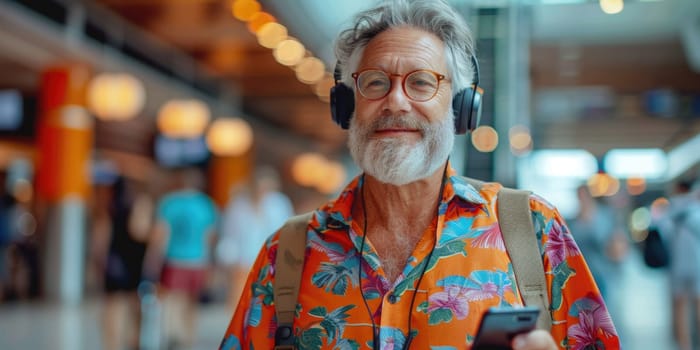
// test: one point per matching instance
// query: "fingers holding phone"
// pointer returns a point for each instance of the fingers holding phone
(534, 340)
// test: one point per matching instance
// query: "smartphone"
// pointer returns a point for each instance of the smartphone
(500, 325)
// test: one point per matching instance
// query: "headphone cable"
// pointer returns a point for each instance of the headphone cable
(359, 270)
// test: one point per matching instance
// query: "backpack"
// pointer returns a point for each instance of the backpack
(517, 230)
(654, 250)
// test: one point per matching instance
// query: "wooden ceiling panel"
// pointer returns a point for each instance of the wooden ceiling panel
(634, 67)
(18, 76)
(254, 64)
(138, 12)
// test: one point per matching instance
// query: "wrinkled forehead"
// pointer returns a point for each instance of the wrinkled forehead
(402, 49)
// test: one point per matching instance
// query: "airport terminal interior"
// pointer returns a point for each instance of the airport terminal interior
(106, 97)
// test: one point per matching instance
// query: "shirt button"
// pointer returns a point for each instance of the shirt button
(392, 299)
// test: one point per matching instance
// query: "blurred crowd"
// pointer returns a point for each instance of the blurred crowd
(156, 249)
(678, 226)
(19, 260)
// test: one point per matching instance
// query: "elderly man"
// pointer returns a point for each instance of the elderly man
(410, 254)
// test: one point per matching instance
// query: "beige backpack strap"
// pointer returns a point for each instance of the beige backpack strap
(289, 264)
(515, 220)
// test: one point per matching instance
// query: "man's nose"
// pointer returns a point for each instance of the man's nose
(396, 100)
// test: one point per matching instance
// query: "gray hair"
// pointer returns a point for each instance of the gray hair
(436, 17)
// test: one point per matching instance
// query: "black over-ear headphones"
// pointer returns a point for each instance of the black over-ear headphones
(466, 104)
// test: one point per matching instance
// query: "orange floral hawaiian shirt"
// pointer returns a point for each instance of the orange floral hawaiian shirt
(469, 271)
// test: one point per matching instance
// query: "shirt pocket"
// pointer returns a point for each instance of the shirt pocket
(439, 320)
(444, 317)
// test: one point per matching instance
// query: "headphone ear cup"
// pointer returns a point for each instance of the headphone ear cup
(475, 108)
(466, 106)
(461, 110)
(342, 104)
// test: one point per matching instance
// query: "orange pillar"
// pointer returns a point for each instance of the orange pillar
(64, 135)
(64, 146)
(225, 172)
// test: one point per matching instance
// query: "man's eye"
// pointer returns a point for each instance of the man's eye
(375, 84)
(421, 83)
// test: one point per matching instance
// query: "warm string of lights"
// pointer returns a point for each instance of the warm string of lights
(308, 169)
(286, 50)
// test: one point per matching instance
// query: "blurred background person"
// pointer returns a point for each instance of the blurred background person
(6, 203)
(121, 229)
(604, 245)
(179, 253)
(255, 210)
(18, 248)
(680, 227)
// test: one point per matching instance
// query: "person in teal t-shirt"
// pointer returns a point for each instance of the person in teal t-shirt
(184, 233)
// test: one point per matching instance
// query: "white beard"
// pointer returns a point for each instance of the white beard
(394, 161)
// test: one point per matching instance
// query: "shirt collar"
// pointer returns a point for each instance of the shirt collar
(458, 186)
(337, 214)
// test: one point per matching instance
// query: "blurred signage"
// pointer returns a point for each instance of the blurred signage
(172, 152)
(11, 109)
(574, 103)
(647, 163)
(661, 102)
(555, 174)
(567, 163)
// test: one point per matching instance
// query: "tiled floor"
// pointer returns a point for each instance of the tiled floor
(644, 318)
(50, 326)
(642, 312)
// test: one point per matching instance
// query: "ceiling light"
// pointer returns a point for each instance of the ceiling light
(305, 168)
(271, 34)
(229, 137)
(259, 19)
(244, 10)
(183, 118)
(289, 52)
(116, 96)
(612, 7)
(310, 70)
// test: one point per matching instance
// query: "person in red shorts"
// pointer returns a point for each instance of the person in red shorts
(184, 232)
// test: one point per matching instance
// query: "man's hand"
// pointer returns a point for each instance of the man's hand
(535, 340)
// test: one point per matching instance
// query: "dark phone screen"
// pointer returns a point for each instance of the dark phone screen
(500, 325)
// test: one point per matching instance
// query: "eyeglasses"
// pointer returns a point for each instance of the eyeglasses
(419, 85)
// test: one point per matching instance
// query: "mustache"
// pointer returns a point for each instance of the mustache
(398, 122)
